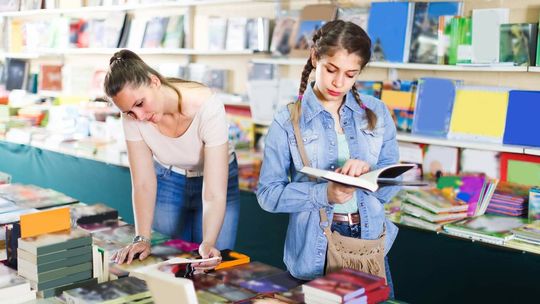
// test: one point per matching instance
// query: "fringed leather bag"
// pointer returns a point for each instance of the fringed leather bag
(344, 251)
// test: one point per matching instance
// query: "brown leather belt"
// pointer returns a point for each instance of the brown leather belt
(350, 218)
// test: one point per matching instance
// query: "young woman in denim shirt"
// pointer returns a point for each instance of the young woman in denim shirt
(184, 174)
(342, 131)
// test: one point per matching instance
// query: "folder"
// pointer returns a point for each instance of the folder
(522, 118)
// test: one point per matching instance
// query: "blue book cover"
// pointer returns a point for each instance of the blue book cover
(433, 106)
(389, 27)
(521, 119)
(424, 33)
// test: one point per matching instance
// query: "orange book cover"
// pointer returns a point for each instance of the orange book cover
(38, 223)
(50, 77)
(231, 258)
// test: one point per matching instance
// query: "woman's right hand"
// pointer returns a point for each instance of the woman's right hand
(129, 253)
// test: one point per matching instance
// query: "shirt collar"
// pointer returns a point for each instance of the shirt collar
(311, 106)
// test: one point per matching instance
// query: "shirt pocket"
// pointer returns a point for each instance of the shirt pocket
(374, 139)
(310, 142)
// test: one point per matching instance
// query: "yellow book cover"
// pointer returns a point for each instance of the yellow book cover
(479, 114)
(398, 99)
(38, 223)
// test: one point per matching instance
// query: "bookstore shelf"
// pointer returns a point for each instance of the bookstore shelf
(407, 66)
(109, 51)
(534, 69)
(404, 137)
(127, 7)
(532, 151)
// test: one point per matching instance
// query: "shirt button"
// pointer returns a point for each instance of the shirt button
(345, 123)
(332, 143)
(352, 137)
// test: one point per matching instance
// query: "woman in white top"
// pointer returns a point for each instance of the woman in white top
(184, 175)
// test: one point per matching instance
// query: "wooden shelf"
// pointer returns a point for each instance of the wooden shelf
(115, 8)
(459, 143)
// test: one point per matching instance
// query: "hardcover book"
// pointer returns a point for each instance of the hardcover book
(89, 214)
(518, 43)
(117, 291)
(370, 181)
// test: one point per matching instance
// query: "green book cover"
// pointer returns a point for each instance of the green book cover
(57, 256)
(488, 225)
(58, 241)
(538, 47)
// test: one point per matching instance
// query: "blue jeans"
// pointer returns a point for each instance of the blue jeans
(354, 231)
(179, 207)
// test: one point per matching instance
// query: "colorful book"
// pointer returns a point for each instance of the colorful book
(467, 124)
(521, 118)
(389, 27)
(434, 201)
(518, 43)
(486, 228)
(433, 106)
(47, 221)
(90, 214)
(424, 42)
(58, 241)
(520, 169)
(117, 291)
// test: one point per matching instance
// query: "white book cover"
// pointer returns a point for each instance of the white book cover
(486, 34)
(236, 34)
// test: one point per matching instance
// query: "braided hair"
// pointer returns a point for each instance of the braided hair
(333, 36)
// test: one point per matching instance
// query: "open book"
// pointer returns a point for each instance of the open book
(370, 181)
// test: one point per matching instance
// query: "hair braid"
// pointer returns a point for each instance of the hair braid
(370, 115)
(308, 67)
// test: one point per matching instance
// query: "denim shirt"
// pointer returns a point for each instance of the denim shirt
(305, 244)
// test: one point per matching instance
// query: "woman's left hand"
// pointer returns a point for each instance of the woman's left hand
(207, 251)
(354, 167)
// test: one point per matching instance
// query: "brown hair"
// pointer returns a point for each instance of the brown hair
(127, 68)
(333, 36)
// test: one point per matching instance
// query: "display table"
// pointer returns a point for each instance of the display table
(426, 267)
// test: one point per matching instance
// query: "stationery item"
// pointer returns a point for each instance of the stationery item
(521, 118)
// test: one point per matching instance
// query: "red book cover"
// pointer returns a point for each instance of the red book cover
(378, 295)
(50, 78)
(368, 281)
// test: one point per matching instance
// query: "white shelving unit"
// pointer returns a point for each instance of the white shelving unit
(405, 137)
(532, 151)
(115, 8)
(534, 69)
(407, 66)
(109, 51)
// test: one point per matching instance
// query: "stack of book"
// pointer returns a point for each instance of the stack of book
(509, 199)
(124, 290)
(13, 288)
(57, 261)
(486, 228)
(346, 286)
(529, 233)
(430, 209)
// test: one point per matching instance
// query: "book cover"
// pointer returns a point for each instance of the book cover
(520, 169)
(50, 77)
(430, 216)
(69, 279)
(57, 241)
(47, 221)
(217, 33)
(466, 124)
(521, 117)
(434, 201)
(55, 274)
(334, 288)
(424, 33)
(16, 73)
(89, 214)
(230, 258)
(372, 88)
(125, 234)
(236, 34)
(245, 272)
(154, 32)
(389, 27)
(312, 17)
(280, 44)
(518, 43)
(231, 292)
(356, 15)
(205, 297)
(35, 265)
(433, 106)
(174, 33)
(489, 228)
(124, 289)
(370, 181)
(485, 37)
(258, 34)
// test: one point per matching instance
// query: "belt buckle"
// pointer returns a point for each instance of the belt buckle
(349, 219)
(192, 173)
